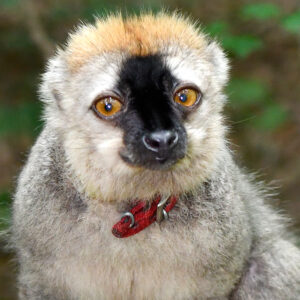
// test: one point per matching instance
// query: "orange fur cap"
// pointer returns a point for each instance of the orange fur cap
(137, 35)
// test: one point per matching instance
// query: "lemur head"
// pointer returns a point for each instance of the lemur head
(138, 104)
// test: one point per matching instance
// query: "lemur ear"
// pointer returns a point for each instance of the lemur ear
(53, 80)
(219, 61)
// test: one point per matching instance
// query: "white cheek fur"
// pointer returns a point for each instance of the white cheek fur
(108, 151)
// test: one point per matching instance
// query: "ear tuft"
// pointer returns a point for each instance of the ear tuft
(53, 79)
(219, 61)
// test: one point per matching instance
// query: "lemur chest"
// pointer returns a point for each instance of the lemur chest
(171, 260)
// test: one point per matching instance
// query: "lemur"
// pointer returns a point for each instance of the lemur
(131, 190)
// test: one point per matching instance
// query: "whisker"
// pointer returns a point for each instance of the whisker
(242, 121)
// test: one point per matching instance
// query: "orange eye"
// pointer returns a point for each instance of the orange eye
(107, 106)
(187, 96)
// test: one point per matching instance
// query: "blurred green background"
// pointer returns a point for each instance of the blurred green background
(262, 39)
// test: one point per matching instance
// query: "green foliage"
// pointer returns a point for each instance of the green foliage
(22, 119)
(265, 11)
(238, 45)
(94, 7)
(217, 28)
(252, 101)
(260, 11)
(60, 11)
(244, 92)
(9, 3)
(292, 22)
(15, 40)
(272, 117)
(241, 45)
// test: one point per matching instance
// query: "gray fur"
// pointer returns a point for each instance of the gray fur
(236, 242)
(222, 241)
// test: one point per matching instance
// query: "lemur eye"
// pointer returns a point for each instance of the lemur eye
(187, 96)
(107, 106)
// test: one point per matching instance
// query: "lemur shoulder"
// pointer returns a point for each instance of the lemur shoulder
(133, 110)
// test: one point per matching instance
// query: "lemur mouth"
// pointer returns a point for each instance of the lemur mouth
(162, 160)
(157, 163)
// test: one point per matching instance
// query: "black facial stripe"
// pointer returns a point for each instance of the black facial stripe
(147, 85)
(150, 85)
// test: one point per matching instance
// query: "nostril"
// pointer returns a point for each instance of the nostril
(152, 143)
(172, 139)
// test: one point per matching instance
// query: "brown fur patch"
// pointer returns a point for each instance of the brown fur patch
(138, 35)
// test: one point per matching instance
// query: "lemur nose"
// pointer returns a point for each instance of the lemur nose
(160, 141)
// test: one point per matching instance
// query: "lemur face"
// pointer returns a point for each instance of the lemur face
(138, 102)
(150, 108)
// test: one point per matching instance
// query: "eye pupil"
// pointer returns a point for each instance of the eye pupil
(108, 107)
(183, 97)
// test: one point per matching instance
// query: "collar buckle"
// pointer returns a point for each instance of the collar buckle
(160, 212)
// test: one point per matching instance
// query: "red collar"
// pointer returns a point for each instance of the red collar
(139, 217)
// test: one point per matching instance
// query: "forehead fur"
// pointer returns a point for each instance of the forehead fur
(137, 35)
